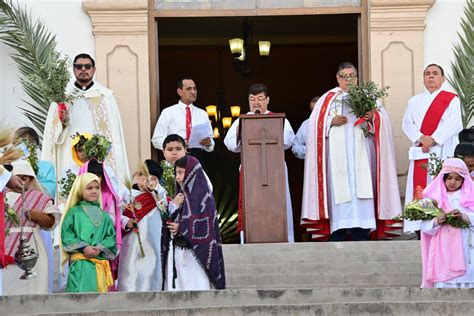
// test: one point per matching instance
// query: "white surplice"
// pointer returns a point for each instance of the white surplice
(358, 212)
(172, 120)
(446, 136)
(429, 227)
(288, 136)
(96, 113)
(12, 285)
(299, 143)
(137, 273)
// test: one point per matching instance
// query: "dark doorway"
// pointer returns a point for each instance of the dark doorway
(304, 55)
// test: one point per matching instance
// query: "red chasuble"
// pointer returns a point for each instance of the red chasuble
(428, 127)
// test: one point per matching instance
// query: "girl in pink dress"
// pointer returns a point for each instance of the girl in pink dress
(447, 252)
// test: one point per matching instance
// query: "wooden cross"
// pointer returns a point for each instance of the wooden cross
(263, 141)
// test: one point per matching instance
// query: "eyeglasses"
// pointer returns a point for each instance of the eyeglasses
(348, 76)
(80, 66)
(260, 98)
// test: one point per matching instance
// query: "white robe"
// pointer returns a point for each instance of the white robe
(288, 136)
(39, 285)
(446, 136)
(318, 203)
(357, 212)
(299, 143)
(190, 274)
(429, 227)
(96, 113)
(137, 273)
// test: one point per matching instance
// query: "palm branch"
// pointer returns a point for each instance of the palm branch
(33, 45)
(226, 204)
(462, 78)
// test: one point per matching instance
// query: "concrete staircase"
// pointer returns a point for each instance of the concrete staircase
(357, 278)
(330, 264)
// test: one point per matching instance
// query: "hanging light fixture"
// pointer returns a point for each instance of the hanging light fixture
(235, 110)
(236, 46)
(242, 57)
(212, 111)
(226, 121)
(216, 132)
(264, 48)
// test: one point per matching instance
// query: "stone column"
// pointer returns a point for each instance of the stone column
(397, 60)
(120, 29)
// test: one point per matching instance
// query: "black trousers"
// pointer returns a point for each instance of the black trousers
(357, 234)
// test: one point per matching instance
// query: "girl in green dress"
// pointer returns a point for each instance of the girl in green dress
(88, 238)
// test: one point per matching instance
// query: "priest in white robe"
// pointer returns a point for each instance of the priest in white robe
(350, 181)
(258, 103)
(432, 122)
(95, 112)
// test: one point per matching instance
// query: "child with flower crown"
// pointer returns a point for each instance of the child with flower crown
(87, 238)
(447, 252)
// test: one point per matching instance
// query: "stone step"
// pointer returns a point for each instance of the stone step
(264, 281)
(332, 267)
(305, 246)
(400, 308)
(324, 256)
(361, 301)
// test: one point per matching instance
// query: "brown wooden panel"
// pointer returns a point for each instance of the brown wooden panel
(263, 164)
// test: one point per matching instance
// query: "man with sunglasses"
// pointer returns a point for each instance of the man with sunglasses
(259, 99)
(350, 178)
(95, 111)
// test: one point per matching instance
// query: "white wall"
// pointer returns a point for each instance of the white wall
(72, 27)
(442, 24)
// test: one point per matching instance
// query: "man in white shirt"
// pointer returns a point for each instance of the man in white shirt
(299, 143)
(181, 118)
(432, 122)
(258, 103)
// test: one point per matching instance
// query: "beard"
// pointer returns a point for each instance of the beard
(83, 79)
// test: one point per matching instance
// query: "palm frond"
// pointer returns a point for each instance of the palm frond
(462, 78)
(226, 204)
(33, 46)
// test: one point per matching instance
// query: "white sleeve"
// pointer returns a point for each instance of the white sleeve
(288, 135)
(429, 227)
(230, 139)
(4, 178)
(161, 131)
(299, 143)
(450, 124)
(408, 124)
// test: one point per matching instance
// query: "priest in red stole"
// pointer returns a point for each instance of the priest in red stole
(350, 180)
(432, 122)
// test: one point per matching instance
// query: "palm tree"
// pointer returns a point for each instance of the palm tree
(462, 78)
(33, 47)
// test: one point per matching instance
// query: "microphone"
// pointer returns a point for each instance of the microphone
(257, 111)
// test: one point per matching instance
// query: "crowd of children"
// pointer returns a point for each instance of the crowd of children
(121, 237)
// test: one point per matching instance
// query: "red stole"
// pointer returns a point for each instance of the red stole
(322, 225)
(428, 127)
(147, 202)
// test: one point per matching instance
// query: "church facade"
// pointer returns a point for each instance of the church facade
(396, 40)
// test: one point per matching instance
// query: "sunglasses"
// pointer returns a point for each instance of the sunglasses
(80, 66)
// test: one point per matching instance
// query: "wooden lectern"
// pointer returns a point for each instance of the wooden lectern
(264, 182)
